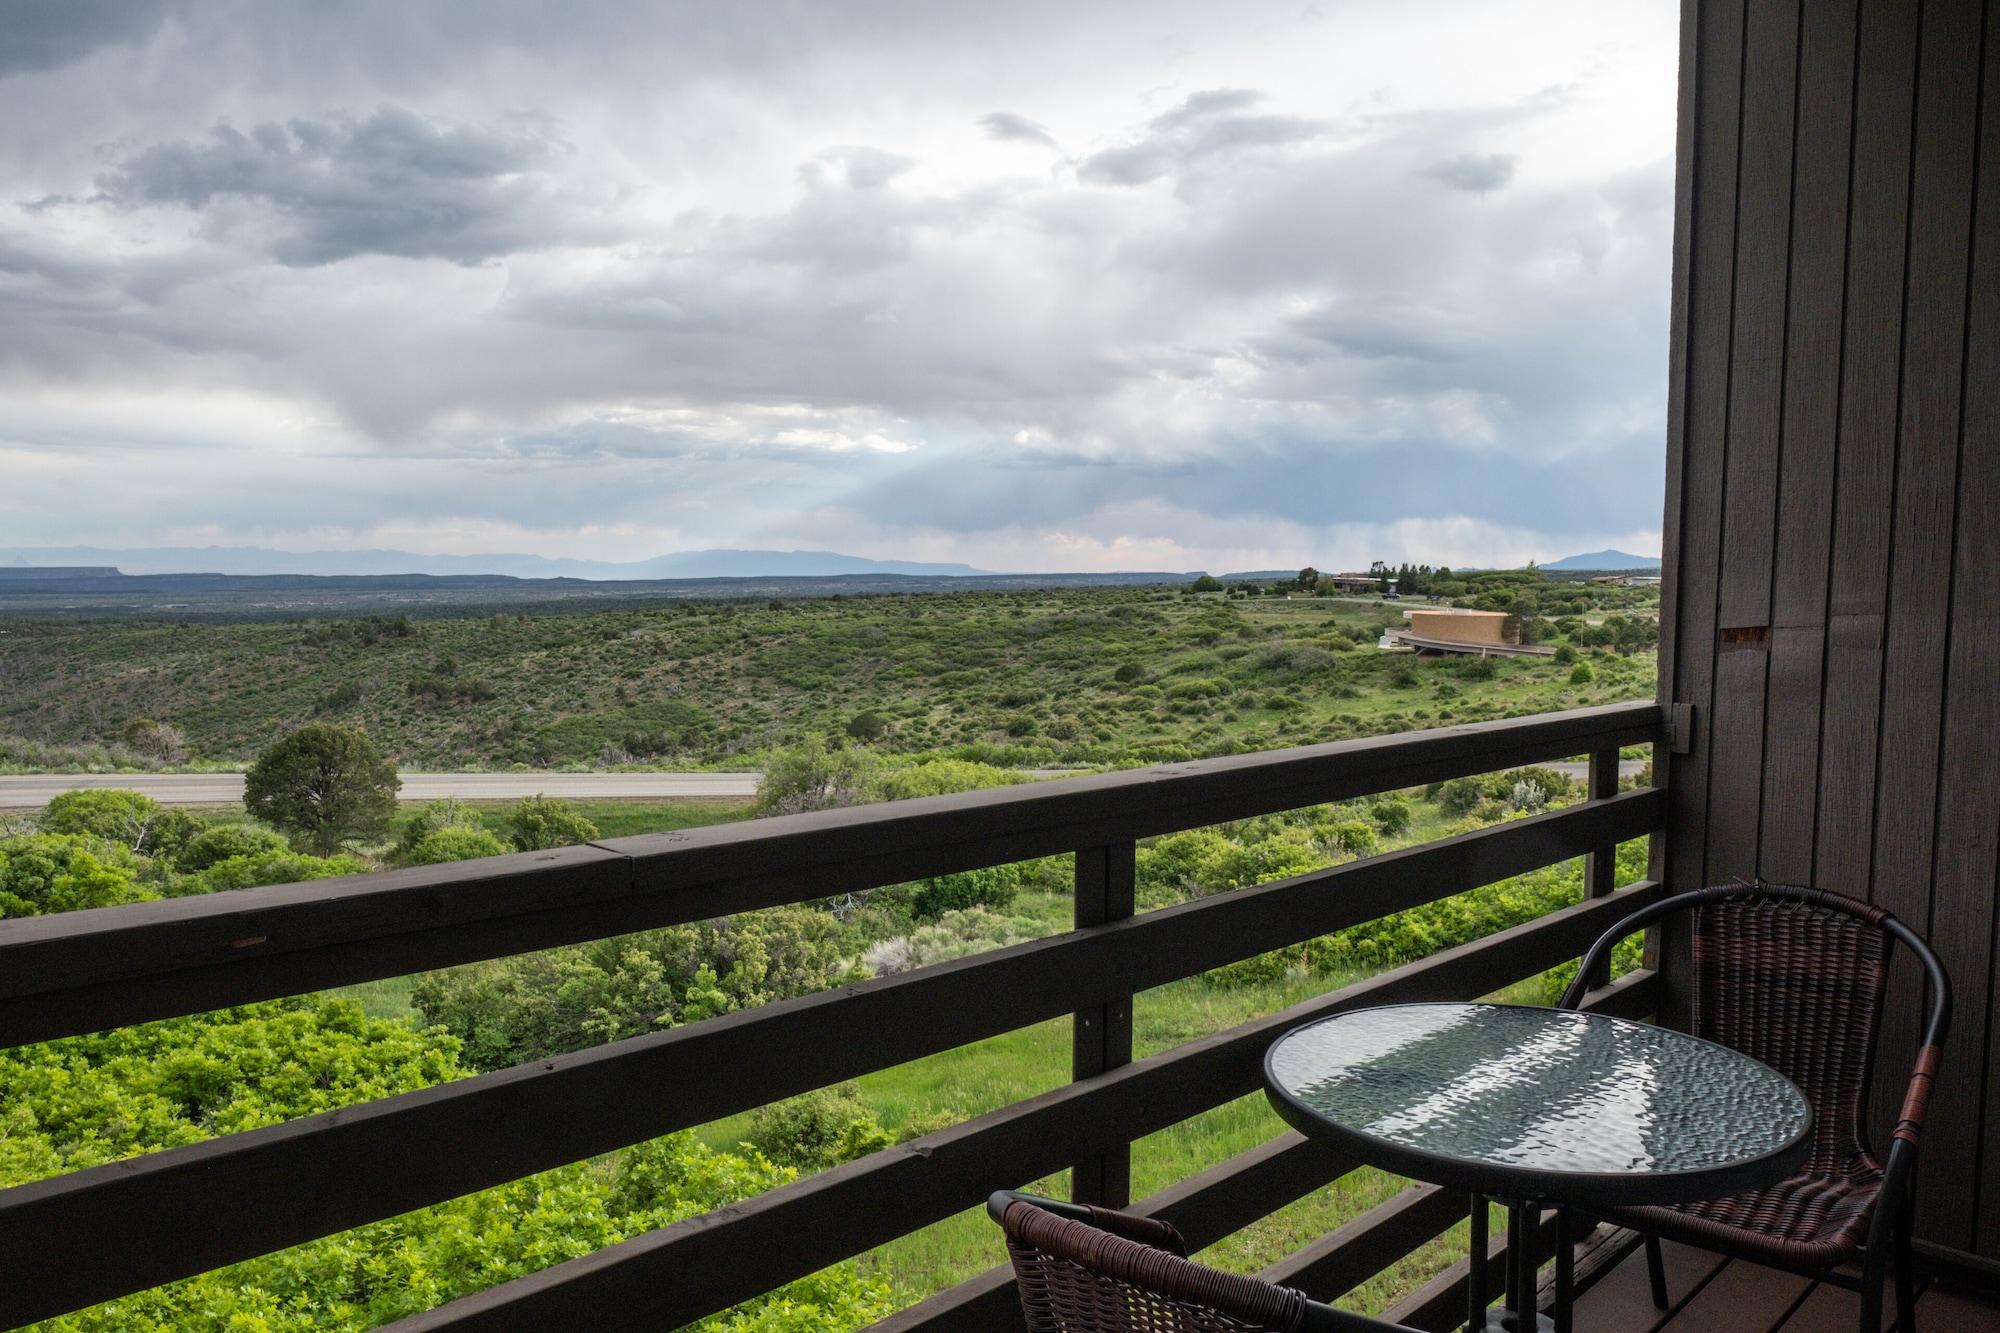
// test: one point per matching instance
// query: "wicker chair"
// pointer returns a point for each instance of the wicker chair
(1794, 977)
(1090, 1270)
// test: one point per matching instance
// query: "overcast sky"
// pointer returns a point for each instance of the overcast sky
(1032, 286)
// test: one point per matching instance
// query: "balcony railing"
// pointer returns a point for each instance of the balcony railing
(135, 1224)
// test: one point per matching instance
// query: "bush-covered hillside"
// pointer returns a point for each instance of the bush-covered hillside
(1095, 676)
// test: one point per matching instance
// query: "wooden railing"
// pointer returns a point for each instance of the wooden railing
(131, 1225)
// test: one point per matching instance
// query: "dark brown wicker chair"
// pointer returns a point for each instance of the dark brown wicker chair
(1091, 1270)
(1794, 976)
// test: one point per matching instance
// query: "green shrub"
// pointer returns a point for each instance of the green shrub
(1293, 661)
(1565, 655)
(940, 777)
(953, 935)
(992, 887)
(817, 1130)
(1458, 796)
(109, 813)
(868, 726)
(1350, 836)
(1581, 674)
(541, 822)
(261, 868)
(90, 1100)
(449, 688)
(1461, 796)
(535, 1005)
(168, 834)
(814, 777)
(453, 844)
(224, 841)
(340, 698)
(437, 816)
(1391, 815)
(64, 872)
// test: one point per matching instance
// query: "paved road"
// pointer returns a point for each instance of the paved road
(1579, 771)
(34, 791)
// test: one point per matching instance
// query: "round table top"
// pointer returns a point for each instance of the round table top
(1543, 1104)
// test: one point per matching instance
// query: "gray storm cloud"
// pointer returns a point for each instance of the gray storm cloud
(739, 272)
(392, 183)
(1005, 125)
(1476, 172)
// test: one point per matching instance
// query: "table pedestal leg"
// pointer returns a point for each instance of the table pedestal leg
(1518, 1315)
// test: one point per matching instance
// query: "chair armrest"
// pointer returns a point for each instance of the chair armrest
(1910, 1120)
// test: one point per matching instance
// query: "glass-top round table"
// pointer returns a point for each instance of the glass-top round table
(1538, 1106)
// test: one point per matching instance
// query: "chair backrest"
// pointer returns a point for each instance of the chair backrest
(1795, 976)
(1089, 1270)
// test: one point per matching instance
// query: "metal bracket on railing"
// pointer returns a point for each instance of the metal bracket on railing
(1680, 728)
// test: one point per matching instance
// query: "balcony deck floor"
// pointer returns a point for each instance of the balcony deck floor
(1714, 1295)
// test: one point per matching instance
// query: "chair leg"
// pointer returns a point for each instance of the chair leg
(1656, 1272)
(1565, 1270)
(1871, 1292)
(1475, 1283)
(1906, 1282)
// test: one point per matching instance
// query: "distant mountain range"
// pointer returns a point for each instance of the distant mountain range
(1606, 560)
(709, 564)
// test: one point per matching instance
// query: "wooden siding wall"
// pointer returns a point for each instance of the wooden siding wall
(1832, 601)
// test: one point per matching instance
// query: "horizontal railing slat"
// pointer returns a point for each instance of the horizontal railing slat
(320, 1174)
(1362, 1247)
(1205, 1207)
(697, 1267)
(1218, 1202)
(81, 971)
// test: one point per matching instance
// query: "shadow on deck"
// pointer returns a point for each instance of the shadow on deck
(1711, 1294)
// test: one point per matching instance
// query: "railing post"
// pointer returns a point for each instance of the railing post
(1600, 868)
(1106, 878)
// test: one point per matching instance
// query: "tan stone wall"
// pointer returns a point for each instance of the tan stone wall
(1462, 629)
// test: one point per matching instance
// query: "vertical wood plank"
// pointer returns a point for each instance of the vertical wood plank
(1696, 454)
(1757, 328)
(1815, 320)
(1878, 216)
(1968, 838)
(1600, 868)
(1659, 948)
(1101, 1037)
(1917, 625)
(1752, 446)
(1687, 106)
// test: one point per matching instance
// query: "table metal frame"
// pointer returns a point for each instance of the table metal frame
(1525, 1191)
